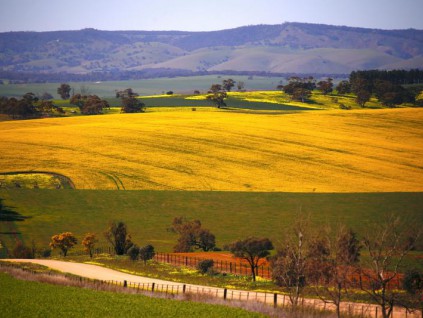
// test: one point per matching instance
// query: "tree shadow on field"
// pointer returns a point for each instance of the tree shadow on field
(8, 215)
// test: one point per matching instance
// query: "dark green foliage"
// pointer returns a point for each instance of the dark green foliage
(22, 251)
(217, 94)
(299, 88)
(146, 253)
(325, 87)
(413, 282)
(205, 265)
(344, 87)
(64, 91)
(252, 250)
(89, 105)
(133, 252)
(132, 105)
(117, 236)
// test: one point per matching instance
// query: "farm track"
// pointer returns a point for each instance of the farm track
(106, 274)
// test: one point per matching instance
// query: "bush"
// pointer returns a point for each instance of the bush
(146, 253)
(45, 253)
(133, 252)
(22, 251)
(205, 266)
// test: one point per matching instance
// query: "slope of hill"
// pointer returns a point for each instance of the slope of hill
(321, 151)
(289, 47)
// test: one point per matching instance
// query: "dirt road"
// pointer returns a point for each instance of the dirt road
(106, 274)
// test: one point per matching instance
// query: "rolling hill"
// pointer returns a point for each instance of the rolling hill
(284, 48)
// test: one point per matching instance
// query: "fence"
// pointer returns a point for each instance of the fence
(237, 268)
(274, 299)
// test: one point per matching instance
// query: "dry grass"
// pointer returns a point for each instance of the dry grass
(322, 151)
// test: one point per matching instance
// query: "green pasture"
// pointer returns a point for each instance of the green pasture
(25, 298)
(185, 85)
(229, 215)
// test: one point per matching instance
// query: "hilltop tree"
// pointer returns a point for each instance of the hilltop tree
(126, 93)
(192, 235)
(64, 91)
(252, 250)
(89, 242)
(64, 241)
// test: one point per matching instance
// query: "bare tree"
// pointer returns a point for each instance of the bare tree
(387, 244)
(334, 257)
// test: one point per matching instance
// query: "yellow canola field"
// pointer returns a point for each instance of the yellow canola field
(322, 151)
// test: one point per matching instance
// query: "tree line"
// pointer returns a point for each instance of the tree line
(327, 262)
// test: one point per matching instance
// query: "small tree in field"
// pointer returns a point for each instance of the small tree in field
(117, 235)
(252, 250)
(192, 235)
(89, 242)
(64, 241)
(146, 253)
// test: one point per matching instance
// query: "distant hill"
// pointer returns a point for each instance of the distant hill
(284, 48)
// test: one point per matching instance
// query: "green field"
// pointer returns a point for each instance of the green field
(229, 215)
(24, 299)
(185, 85)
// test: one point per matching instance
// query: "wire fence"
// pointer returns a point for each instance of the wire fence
(274, 299)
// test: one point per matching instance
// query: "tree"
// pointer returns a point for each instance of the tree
(228, 84)
(64, 241)
(64, 91)
(325, 87)
(240, 85)
(343, 87)
(334, 257)
(362, 97)
(299, 88)
(387, 243)
(217, 95)
(146, 253)
(89, 242)
(252, 250)
(132, 105)
(118, 237)
(289, 265)
(192, 235)
(126, 93)
(133, 252)
(89, 105)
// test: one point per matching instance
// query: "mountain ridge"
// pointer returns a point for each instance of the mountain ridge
(289, 47)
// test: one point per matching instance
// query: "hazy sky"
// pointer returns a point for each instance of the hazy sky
(204, 15)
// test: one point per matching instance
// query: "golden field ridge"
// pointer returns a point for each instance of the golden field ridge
(321, 151)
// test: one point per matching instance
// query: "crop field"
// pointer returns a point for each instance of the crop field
(44, 300)
(318, 151)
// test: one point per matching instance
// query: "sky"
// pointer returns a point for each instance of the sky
(204, 15)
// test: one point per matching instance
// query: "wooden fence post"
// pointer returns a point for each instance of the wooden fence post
(152, 287)
(225, 293)
(275, 300)
(184, 288)
(125, 283)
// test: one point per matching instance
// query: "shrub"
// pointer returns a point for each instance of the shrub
(22, 251)
(205, 266)
(133, 252)
(146, 253)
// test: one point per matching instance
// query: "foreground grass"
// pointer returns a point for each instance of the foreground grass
(24, 299)
(322, 151)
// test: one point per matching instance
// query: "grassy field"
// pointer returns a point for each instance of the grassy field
(229, 215)
(214, 150)
(36, 299)
(144, 87)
